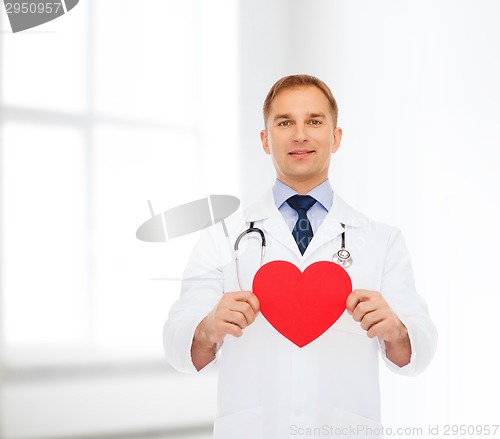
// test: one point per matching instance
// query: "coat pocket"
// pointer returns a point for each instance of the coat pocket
(245, 424)
(349, 425)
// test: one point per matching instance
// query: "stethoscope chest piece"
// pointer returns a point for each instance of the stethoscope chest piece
(343, 258)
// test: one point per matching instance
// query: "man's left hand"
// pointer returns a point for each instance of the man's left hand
(378, 319)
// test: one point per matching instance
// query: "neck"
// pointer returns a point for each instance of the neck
(303, 187)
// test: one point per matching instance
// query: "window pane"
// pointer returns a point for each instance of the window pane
(144, 65)
(43, 228)
(46, 68)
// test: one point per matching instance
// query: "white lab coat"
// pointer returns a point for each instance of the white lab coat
(268, 387)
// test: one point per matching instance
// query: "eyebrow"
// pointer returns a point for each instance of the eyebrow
(317, 115)
(282, 116)
(289, 116)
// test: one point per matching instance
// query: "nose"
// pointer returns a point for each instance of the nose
(299, 134)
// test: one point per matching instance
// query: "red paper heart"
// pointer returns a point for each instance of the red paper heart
(302, 306)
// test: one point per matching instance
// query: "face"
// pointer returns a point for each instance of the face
(300, 136)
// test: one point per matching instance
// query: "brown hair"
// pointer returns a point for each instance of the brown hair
(295, 81)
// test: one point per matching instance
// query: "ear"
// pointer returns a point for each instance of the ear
(265, 141)
(337, 138)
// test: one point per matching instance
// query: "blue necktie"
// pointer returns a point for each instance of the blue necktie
(302, 232)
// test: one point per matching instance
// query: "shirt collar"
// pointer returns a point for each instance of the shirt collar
(322, 193)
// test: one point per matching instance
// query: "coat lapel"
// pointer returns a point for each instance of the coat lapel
(274, 224)
(340, 213)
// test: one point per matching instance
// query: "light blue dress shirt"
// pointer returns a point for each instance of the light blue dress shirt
(322, 193)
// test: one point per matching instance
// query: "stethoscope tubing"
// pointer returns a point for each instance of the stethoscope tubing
(342, 257)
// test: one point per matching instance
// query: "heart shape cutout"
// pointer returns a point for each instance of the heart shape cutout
(302, 305)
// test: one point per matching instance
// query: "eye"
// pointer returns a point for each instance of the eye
(285, 123)
(315, 122)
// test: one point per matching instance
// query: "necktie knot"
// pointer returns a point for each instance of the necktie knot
(301, 202)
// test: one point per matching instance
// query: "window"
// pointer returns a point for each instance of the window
(107, 107)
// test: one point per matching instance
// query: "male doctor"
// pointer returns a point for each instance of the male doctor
(269, 388)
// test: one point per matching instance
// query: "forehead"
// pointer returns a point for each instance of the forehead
(298, 100)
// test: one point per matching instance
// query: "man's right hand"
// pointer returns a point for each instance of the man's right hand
(234, 312)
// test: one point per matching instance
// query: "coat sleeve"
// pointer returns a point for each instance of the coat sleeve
(398, 288)
(201, 290)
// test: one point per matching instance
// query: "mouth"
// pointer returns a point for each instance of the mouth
(301, 153)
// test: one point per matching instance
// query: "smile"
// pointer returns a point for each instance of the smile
(301, 153)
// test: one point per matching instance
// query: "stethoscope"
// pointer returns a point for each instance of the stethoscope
(342, 257)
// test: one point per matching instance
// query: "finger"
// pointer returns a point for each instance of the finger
(371, 319)
(228, 328)
(362, 308)
(358, 296)
(235, 318)
(254, 303)
(353, 299)
(246, 296)
(377, 330)
(245, 309)
(238, 295)
(221, 328)
(351, 302)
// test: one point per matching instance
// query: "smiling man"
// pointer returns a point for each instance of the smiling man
(269, 388)
(301, 134)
